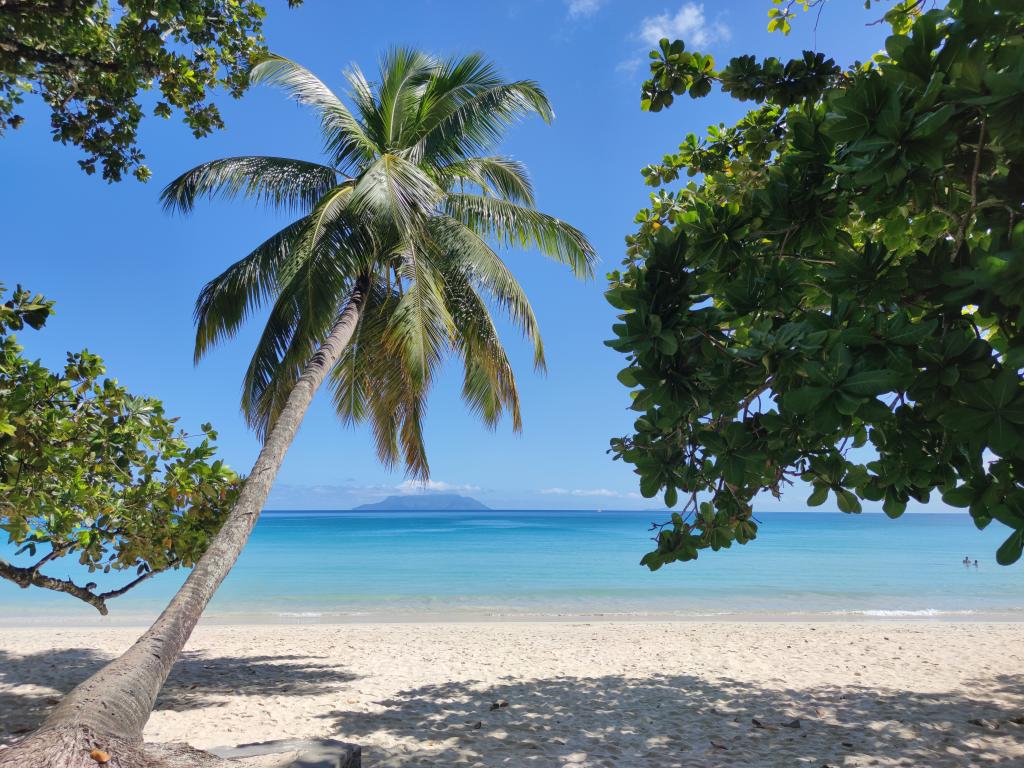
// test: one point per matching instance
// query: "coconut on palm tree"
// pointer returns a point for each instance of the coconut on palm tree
(389, 265)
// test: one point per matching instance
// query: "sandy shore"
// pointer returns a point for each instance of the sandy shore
(578, 694)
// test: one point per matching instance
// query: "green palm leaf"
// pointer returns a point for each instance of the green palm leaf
(279, 182)
(421, 327)
(405, 72)
(477, 123)
(501, 176)
(452, 83)
(489, 385)
(230, 298)
(345, 138)
(306, 309)
(362, 369)
(471, 260)
(511, 224)
(374, 387)
(396, 194)
(362, 95)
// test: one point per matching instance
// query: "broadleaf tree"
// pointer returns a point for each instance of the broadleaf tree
(94, 474)
(92, 62)
(829, 293)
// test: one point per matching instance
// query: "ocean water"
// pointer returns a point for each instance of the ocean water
(370, 566)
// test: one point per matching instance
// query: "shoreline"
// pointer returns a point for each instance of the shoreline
(329, 619)
(578, 694)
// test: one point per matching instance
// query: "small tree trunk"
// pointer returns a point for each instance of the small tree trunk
(109, 710)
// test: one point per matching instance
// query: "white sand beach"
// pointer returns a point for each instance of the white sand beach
(578, 694)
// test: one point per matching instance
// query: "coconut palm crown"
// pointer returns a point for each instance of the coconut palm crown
(408, 207)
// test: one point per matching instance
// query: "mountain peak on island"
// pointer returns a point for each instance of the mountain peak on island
(436, 502)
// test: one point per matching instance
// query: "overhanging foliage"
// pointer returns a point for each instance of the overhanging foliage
(90, 60)
(91, 472)
(844, 269)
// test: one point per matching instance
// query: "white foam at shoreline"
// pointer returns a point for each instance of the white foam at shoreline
(903, 612)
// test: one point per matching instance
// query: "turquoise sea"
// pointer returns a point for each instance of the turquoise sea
(369, 566)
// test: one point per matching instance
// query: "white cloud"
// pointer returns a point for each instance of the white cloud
(324, 496)
(605, 492)
(426, 486)
(582, 8)
(630, 66)
(688, 23)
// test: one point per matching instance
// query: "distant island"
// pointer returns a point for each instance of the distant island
(425, 501)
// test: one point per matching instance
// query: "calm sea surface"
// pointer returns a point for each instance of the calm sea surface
(366, 566)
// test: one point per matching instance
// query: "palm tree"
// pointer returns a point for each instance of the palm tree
(388, 266)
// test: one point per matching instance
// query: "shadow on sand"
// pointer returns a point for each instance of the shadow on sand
(669, 721)
(197, 680)
(680, 720)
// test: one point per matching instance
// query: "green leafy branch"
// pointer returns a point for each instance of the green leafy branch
(90, 471)
(835, 294)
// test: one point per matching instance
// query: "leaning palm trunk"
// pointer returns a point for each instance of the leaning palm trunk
(104, 716)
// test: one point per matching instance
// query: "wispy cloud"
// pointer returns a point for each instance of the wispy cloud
(427, 486)
(630, 66)
(583, 8)
(324, 496)
(343, 496)
(604, 492)
(689, 23)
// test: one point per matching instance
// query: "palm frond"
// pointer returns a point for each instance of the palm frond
(363, 96)
(469, 258)
(329, 225)
(414, 453)
(421, 327)
(396, 194)
(345, 138)
(372, 383)
(511, 224)
(405, 71)
(353, 378)
(396, 421)
(229, 299)
(327, 255)
(501, 176)
(474, 125)
(280, 182)
(452, 82)
(489, 385)
(313, 279)
(305, 311)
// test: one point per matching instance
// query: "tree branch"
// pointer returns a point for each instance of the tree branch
(43, 56)
(724, 349)
(135, 582)
(967, 217)
(28, 577)
(54, 552)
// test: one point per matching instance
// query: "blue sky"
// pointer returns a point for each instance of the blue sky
(125, 274)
